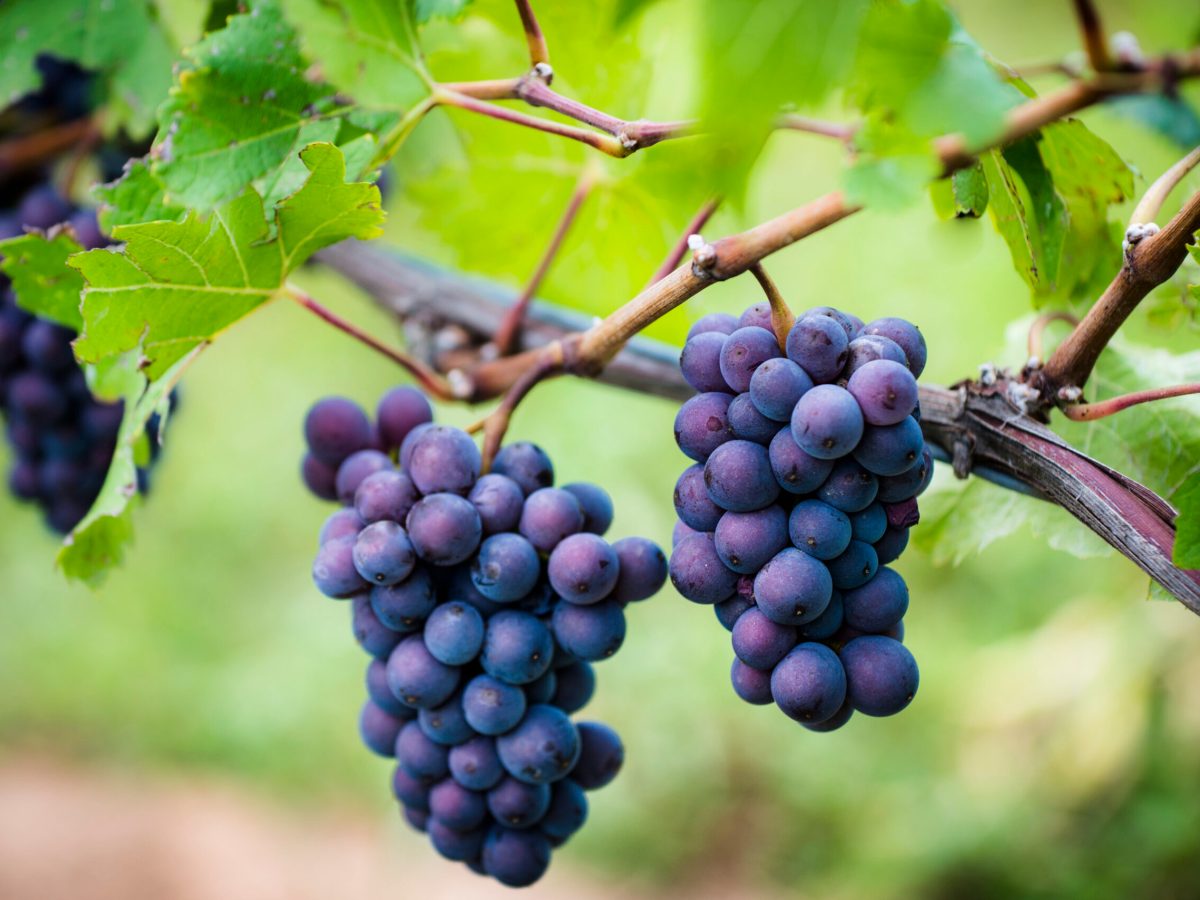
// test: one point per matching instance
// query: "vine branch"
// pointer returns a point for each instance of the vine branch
(676, 253)
(539, 54)
(1092, 31)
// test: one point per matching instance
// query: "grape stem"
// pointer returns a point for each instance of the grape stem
(1092, 31)
(538, 52)
(1152, 201)
(548, 362)
(1088, 412)
(429, 380)
(510, 327)
(1037, 331)
(675, 254)
(782, 318)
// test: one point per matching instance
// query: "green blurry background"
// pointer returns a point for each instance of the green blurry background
(1053, 749)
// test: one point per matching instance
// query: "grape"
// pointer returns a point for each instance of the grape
(43, 207)
(886, 392)
(549, 516)
(574, 686)
(454, 633)
(454, 806)
(869, 524)
(419, 756)
(849, 487)
(333, 570)
(517, 647)
(35, 398)
(728, 611)
(379, 729)
(417, 678)
(492, 706)
(541, 690)
(881, 675)
(518, 804)
(850, 323)
(748, 424)
(385, 495)
(456, 582)
(641, 569)
(909, 483)
(319, 478)
(681, 531)
(412, 792)
(567, 813)
(809, 684)
(373, 636)
(404, 606)
(335, 428)
(818, 344)
(444, 460)
(595, 503)
(601, 755)
(444, 529)
(700, 362)
(793, 588)
(583, 568)
(381, 695)
(355, 469)
(526, 464)
(87, 229)
(697, 572)
(47, 346)
(795, 470)
(400, 411)
(515, 858)
(879, 604)
(776, 386)
(589, 633)
(834, 722)
(752, 685)
(383, 553)
(739, 478)
(855, 567)
(404, 455)
(454, 845)
(415, 818)
(759, 642)
(827, 624)
(692, 503)
(475, 764)
(820, 530)
(907, 335)
(720, 323)
(506, 568)
(542, 749)
(889, 547)
(702, 425)
(743, 352)
(746, 541)
(759, 314)
(498, 500)
(871, 347)
(889, 450)
(827, 422)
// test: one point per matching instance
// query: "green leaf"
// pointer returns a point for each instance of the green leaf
(176, 285)
(1187, 525)
(118, 38)
(443, 9)
(139, 195)
(44, 284)
(1171, 117)
(970, 192)
(98, 542)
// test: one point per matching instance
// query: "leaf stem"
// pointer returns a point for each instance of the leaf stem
(1152, 201)
(430, 380)
(836, 130)
(399, 132)
(782, 318)
(680, 247)
(1087, 412)
(538, 52)
(1037, 330)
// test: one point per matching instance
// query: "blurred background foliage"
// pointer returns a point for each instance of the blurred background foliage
(1054, 747)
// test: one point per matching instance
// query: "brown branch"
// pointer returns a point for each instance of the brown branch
(782, 318)
(680, 247)
(538, 53)
(1087, 412)
(26, 151)
(1094, 41)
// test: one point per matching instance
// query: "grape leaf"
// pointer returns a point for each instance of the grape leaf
(139, 195)
(118, 38)
(44, 284)
(1171, 117)
(176, 285)
(1187, 525)
(445, 9)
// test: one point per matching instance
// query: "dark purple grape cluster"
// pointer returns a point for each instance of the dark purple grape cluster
(62, 437)
(483, 601)
(808, 459)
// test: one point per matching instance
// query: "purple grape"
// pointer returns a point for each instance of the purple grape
(795, 471)
(574, 686)
(549, 515)
(700, 362)
(518, 804)
(383, 554)
(419, 756)
(589, 633)
(515, 858)
(641, 570)
(729, 610)
(871, 347)
(525, 463)
(492, 706)
(743, 352)
(319, 478)
(456, 582)
(759, 314)
(454, 633)
(335, 428)
(720, 323)
(456, 807)
(583, 568)
(752, 685)
(455, 845)
(542, 749)
(776, 386)
(411, 792)
(542, 689)
(702, 425)
(417, 678)
(890, 547)
(885, 390)
(819, 529)
(475, 764)
(809, 684)
(881, 675)
(404, 455)
(908, 484)
(818, 344)
(869, 524)
(879, 604)
(47, 347)
(385, 495)
(381, 695)
(506, 568)
(907, 335)
(692, 503)
(498, 500)
(850, 323)
(827, 422)
(745, 541)
(446, 724)
(567, 813)
(378, 729)
(517, 647)
(444, 529)
(793, 588)
(86, 228)
(373, 636)
(748, 424)
(827, 624)
(596, 504)
(404, 606)
(43, 207)
(855, 567)
(355, 469)
(601, 755)
(849, 487)
(697, 572)
(681, 531)
(890, 450)
(759, 642)
(400, 411)
(444, 460)
(738, 477)
(333, 570)
(36, 399)
(834, 722)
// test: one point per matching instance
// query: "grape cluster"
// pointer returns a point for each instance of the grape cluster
(807, 464)
(483, 601)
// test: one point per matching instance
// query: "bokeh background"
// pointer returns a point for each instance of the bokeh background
(190, 729)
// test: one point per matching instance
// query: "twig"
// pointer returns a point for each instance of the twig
(782, 318)
(1087, 412)
(430, 380)
(1094, 41)
(675, 255)
(510, 327)
(1038, 329)
(34, 149)
(548, 362)
(538, 52)
(836, 130)
(1151, 203)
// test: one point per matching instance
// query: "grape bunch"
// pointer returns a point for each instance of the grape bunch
(807, 464)
(483, 600)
